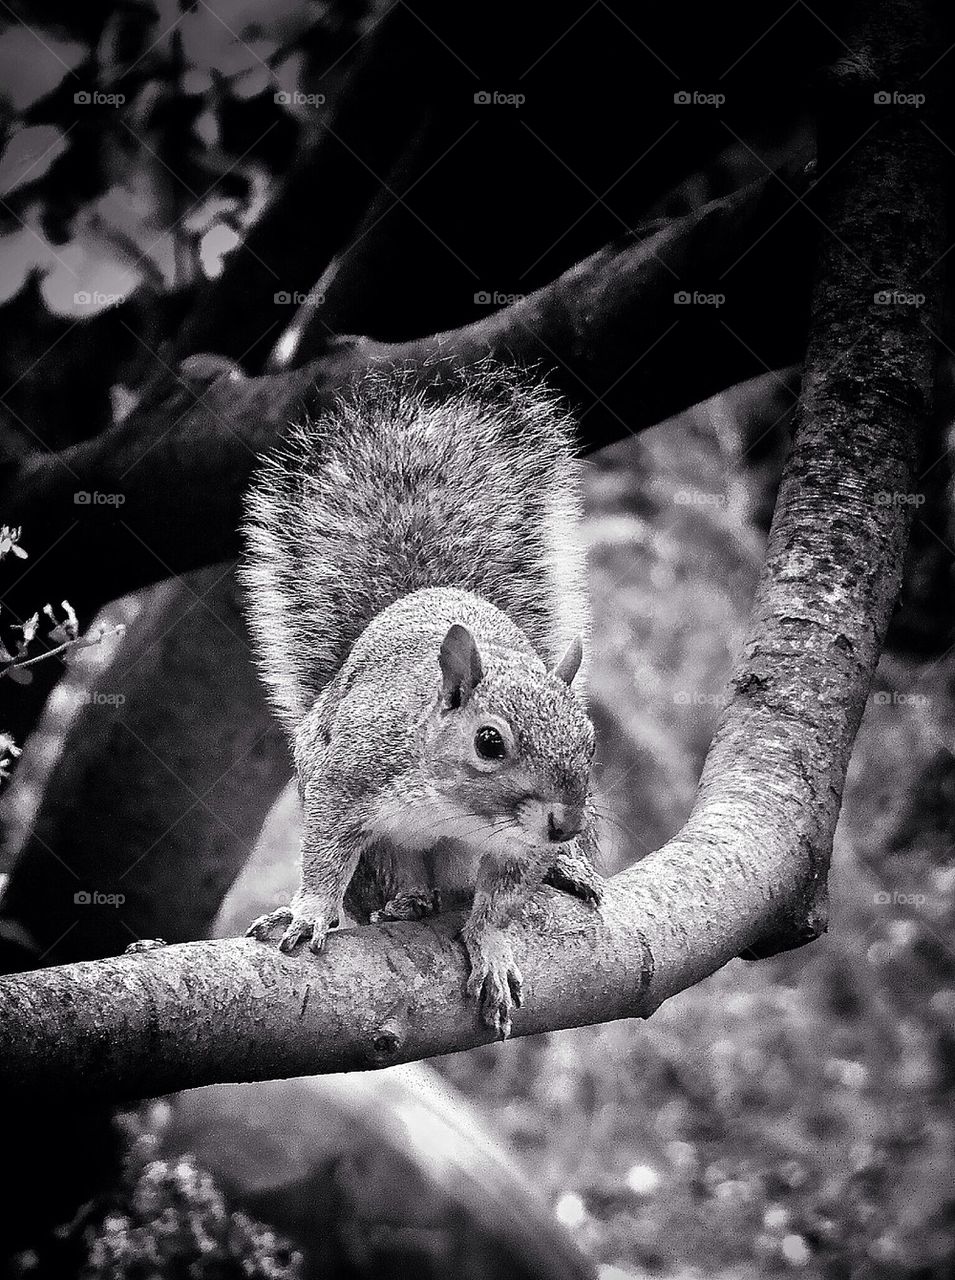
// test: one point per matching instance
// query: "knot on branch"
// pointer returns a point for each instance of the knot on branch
(386, 1043)
(144, 944)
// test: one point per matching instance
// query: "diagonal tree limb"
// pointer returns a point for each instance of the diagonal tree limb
(607, 333)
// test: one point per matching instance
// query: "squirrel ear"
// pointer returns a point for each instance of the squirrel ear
(569, 664)
(461, 667)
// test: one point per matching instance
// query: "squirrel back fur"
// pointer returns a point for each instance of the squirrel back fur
(401, 487)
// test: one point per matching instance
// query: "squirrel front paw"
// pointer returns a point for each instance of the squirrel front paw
(305, 917)
(495, 979)
(574, 875)
(409, 906)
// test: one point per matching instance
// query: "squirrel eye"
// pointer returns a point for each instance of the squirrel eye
(489, 744)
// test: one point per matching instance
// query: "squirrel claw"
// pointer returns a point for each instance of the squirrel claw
(300, 929)
(263, 926)
(497, 984)
(299, 926)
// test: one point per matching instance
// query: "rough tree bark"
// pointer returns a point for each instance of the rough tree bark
(747, 873)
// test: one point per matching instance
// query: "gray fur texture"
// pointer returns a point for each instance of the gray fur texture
(400, 487)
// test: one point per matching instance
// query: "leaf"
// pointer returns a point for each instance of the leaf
(28, 629)
(28, 155)
(72, 623)
(33, 62)
(20, 253)
(87, 278)
(10, 542)
(9, 751)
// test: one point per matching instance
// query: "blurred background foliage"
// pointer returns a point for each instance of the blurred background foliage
(789, 1117)
(792, 1116)
(142, 140)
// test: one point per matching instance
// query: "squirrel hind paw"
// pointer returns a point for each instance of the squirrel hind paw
(409, 906)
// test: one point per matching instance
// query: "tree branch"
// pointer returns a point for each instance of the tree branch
(201, 1012)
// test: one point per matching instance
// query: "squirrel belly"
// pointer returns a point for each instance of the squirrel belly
(416, 814)
(415, 590)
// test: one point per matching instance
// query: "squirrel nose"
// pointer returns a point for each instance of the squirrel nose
(563, 823)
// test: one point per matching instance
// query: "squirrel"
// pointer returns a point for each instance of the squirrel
(414, 584)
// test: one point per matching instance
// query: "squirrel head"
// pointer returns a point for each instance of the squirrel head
(508, 742)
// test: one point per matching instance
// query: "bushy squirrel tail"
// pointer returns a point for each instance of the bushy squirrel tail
(400, 485)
